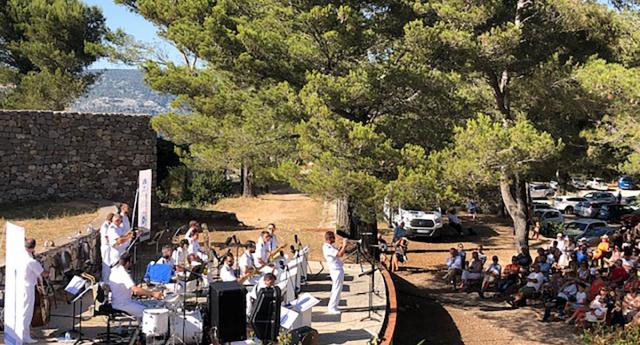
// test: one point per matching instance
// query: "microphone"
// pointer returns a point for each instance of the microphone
(235, 240)
(295, 238)
(281, 254)
(293, 249)
(227, 242)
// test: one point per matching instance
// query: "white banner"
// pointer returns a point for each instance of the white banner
(144, 203)
(14, 293)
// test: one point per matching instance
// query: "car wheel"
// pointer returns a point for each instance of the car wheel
(568, 210)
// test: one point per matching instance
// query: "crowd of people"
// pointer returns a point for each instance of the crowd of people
(574, 282)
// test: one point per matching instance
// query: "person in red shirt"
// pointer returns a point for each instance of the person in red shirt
(618, 274)
(596, 285)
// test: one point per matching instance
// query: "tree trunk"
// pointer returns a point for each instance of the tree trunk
(513, 198)
(247, 181)
(342, 214)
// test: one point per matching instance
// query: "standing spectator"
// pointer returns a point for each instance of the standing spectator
(619, 197)
(472, 208)
(399, 232)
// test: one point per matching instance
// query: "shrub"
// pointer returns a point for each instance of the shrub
(208, 187)
(611, 336)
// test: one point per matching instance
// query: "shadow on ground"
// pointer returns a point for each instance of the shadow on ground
(49, 209)
(422, 318)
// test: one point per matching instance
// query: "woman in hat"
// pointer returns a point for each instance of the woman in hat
(603, 250)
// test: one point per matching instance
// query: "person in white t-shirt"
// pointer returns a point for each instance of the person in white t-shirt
(105, 248)
(534, 282)
(28, 274)
(123, 288)
(333, 257)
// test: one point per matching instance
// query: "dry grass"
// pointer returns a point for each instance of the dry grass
(293, 214)
(55, 221)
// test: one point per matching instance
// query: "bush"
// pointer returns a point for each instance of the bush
(611, 336)
(208, 187)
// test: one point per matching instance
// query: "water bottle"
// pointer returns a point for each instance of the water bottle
(67, 336)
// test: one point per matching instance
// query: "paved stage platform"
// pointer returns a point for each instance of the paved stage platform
(354, 326)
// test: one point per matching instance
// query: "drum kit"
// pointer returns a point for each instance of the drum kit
(170, 322)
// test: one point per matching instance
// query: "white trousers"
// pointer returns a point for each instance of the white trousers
(24, 312)
(337, 278)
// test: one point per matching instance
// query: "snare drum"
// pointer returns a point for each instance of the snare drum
(192, 326)
(155, 322)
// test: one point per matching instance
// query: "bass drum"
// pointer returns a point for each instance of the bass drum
(192, 323)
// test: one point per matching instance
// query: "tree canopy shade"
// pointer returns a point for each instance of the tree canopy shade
(45, 46)
(362, 100)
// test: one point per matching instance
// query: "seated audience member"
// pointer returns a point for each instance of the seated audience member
(579, 306)
(510, 277)
(567, 292)
(583, 271)
(473, 272)
(491, 275)
(596, 285)
(616, 254)
(454, 267)
(524, 259)
(597, 310)
(462, 253)
(630, 305)
(530, 290)
(481, 255)
(617, 275)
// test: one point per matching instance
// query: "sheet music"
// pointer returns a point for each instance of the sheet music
(76, 285)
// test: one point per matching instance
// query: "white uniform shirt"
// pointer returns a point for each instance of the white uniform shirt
(126, 224)
(262, 252)
(120, 283)
(273, 243)
(32, 270)
(194, 247)
(115, 251)
(104, 229)
(178, 256)
(245, 262)
(331, 256)
(227, 274)
(187, 235)
(169, 261)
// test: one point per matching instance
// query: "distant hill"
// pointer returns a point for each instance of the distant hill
(122, 91)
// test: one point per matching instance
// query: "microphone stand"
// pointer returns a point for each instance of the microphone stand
(192, 276)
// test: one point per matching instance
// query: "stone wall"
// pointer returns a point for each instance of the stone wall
(62, 155)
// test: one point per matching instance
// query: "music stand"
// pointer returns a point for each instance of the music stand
(77, 288)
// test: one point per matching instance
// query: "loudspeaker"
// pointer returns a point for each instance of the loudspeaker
(265, 317)
(304, 336)
(227, 311)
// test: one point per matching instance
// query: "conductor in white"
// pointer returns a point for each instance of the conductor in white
(24, 310)
(333, 257)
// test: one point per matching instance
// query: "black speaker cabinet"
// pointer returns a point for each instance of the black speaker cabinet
(227, 311)
(265, 318)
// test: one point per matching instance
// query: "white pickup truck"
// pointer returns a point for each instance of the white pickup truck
(417, 223)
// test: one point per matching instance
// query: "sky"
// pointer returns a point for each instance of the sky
(119, 16)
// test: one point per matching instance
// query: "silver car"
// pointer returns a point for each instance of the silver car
(567, 203)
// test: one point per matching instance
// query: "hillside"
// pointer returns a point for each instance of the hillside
(122, 91)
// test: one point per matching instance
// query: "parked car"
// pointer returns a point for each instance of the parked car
(630, 220)
(418, 223)
(614, 212)
(601, 197)
(626, 182)
(588, 209)
(597, 184)
(591, 229)
(577, 183)
(548, 216)
(554, 185)
(628, 200)
(540, 191)
(567, 203)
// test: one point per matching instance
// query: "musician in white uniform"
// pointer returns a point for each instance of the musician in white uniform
(116, 242)
(273, 242)
(194, 246)
(227, 274)
(124, 213)
(30, 270)
(193, 226)
(268, 280)
(179, 255)
(167, 257)
(105, 248)
(333, 257)
(246, 262)
(123, 288)
(261, 255)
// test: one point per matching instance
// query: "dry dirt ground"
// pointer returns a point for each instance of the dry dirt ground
(429, 311)
(56, 221)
